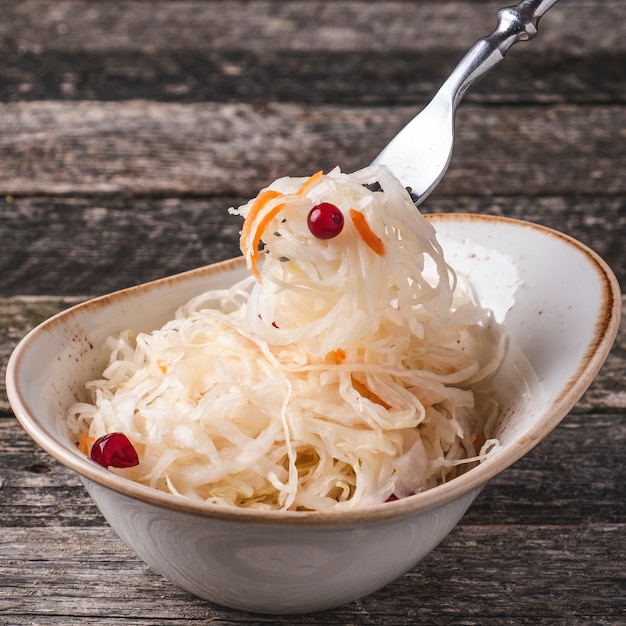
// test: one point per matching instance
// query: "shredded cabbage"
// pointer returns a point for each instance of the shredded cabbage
(333, 376)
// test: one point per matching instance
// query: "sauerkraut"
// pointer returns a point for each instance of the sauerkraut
(343, 372)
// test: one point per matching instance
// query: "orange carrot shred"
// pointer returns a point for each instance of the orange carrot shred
(262, 199)
(479, 439)
(309, 183)
(256, 240)
(253, 227)
(366, 392)
(83, 444)
(339, 356)
(367, 234)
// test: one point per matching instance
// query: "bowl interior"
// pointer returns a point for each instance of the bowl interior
(559, 304)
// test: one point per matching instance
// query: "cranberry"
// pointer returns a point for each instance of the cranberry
(114, 450)
(325, 220)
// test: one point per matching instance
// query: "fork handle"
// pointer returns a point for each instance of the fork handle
(516, 23)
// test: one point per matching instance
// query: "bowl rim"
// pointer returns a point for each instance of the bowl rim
(472, 480)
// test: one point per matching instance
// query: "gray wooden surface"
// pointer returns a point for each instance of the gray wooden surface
(126, 131)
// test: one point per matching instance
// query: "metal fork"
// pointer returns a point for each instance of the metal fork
(420, 153)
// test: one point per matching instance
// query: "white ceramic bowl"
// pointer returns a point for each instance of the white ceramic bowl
(560, 305)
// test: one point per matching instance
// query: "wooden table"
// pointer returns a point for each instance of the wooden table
(128, 128)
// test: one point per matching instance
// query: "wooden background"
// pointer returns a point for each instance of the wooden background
(126, 131)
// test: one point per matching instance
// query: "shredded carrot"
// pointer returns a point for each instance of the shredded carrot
(309, 183)
(479, 440)
(83, 444)
(367, 234)
(162, 366)
(366, 392)
(255, 227)
(262, 199)
(258, 233)
(338, 355)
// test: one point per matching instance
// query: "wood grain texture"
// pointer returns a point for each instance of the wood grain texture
(91, 246)
(526, 538)
(524, 548)
(347, 52)
(127, 128)
(148, 148)
(512, 586)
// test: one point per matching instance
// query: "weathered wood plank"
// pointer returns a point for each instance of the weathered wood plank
(543, 569)
(70, 25)
(346, 77)
(348, 52)
(90, 246)
(126, 130)
(308, 76)
(83, 246)
(211, 149)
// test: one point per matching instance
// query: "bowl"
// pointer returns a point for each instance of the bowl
(560, 306)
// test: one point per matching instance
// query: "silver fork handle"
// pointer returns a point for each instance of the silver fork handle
(516, 23)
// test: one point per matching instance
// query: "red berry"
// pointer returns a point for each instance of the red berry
(325, 221)
(114, 450)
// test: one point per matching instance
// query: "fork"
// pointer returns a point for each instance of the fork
(420, 153)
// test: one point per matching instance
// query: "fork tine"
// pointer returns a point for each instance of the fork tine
(420, 153)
